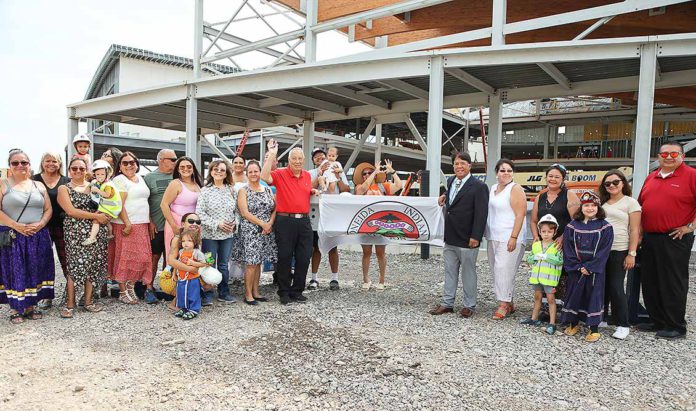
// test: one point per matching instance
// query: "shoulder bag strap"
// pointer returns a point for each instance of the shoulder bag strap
(27, 203)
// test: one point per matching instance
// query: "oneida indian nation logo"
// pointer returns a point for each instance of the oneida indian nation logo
(390, 219)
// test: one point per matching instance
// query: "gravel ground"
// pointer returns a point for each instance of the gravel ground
(348, 349)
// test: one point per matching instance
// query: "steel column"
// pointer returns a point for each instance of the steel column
(499, 21)
(197, 39)
(644, 117)
(494, 136)
(308, 142)
(310, 35)
(378, 143)
(73, 129)
(547, 139)
(192, 143)
(435, 103)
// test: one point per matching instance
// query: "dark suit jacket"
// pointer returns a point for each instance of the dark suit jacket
(466, 216)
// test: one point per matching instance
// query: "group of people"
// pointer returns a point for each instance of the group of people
(583, 247)
(110, 224)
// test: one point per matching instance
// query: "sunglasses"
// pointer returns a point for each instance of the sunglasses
(367, 173)
(128, 163)
(76, 169)
(505, 171)
(561, 166)
(186, 167)
(192, 221)
(173, 160)
(16, 163)
(106, 155)
(615, 183)
(220, 170)
(673, 154)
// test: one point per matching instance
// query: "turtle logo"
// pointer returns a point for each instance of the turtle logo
(390, 219)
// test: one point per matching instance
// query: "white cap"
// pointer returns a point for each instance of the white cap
(548, 218)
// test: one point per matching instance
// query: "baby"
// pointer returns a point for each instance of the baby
(329, 177)
(81, 143)
(105, 194)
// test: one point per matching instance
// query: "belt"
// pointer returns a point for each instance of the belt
(294, 215)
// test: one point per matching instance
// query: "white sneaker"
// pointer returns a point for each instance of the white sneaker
(603, 324)
(621, 333)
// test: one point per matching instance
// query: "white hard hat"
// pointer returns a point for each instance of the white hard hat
(80, 137)
(210, 275)
(548, 218)
(99, 164)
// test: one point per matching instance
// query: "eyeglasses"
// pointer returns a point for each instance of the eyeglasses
(17, 163)
(192, 221)
(76, 169)
(615, 183)
(128, 163)
(185, 167)
(673, 154)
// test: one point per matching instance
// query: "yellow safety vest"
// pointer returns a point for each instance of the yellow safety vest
(543, 272)
(110, 206)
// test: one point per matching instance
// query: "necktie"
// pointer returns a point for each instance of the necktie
(456, 189)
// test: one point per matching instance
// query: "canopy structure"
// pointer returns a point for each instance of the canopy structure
(386, 84)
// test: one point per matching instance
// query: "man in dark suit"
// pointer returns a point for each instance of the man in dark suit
(466, 212)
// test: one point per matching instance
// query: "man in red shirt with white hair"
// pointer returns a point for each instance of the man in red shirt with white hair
(293, 230)
(668, 199)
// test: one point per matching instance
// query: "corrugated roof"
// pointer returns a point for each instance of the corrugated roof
(117, 51)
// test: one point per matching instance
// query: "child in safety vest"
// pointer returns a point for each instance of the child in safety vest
(546, 262)
(105, 194)
(188, 286)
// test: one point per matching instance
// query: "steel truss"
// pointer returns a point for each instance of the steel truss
(396, 80)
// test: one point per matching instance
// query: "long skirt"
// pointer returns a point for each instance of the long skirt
(132, 254)
(27, 270)
(584, 299)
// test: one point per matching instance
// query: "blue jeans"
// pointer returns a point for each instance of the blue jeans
(221, 251)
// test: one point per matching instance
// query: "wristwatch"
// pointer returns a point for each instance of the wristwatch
(632, 253)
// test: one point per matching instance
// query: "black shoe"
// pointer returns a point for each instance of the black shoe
(299, 298)
(333, 285)
(648, 327)
(252, 302)
(669, 334)
(284, 299)
(261, 299)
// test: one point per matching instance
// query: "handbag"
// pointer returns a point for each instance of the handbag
(6, 237)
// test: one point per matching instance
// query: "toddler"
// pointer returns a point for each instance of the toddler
(82, 144)
(188, 286)
(329, 177)
(546, 262)
(105, 194)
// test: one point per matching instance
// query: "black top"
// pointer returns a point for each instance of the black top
(558, 209)
(58, 214)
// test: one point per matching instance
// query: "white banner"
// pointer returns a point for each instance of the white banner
(379, 220)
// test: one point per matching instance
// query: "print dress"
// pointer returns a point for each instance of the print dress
(255, 247)
(84, 262)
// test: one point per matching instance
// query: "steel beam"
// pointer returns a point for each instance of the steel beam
(405, 87)
(359, 146)
(555, 74)
(308, 139)
(462, 75)
(242, 101)
(315, 103)
(242, 42)
(271, 41)
(197, 39)
(498, 22)
(310, 36)
(192, 137)
(599, 23)
(179, 110)
(435, 97)
(355, 96)
(227, 24)
(235, 112)
(494, 136)
(644, 118)
(421, 142)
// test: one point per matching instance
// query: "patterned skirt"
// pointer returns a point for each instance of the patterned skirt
(132, 254)
(27, 270)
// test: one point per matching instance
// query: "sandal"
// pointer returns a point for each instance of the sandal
(66, 312)
(94, 307)
(179, 313)
(16, 318)
(501, 312)
(130, 289)
(125, 298)
(33, 314)
(189, 315)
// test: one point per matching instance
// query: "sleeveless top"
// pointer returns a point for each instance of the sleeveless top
(558, 209)
(501, 217)
(13, 202)
(185, 202)
(58, 213)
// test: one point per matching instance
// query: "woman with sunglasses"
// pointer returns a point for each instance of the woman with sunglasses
(505, 232)
(623, 213)
(86, 266)
(561, 203)
(188, 221)
(216, 206)
(180, 197)
(132, 260)
(27, 270)
(112, 155)
(51, 175)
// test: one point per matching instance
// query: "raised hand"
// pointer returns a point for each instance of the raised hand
(272, 146)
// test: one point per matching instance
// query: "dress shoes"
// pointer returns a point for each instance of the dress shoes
(669, 334)
(466, 312)
(441, 309)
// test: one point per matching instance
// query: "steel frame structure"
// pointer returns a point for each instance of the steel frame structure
(341, 88)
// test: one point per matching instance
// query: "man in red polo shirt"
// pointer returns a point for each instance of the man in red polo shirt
(293, 230)
(668, 199)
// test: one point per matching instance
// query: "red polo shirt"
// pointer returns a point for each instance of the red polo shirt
(669, 202)
(292, 193)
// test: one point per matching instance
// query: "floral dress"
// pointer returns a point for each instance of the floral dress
(84, 262)
(255, 247)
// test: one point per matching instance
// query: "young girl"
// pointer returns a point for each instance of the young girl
(546, 261)
(188, 286)
(330, 180)
(587, 242)
(105, 194)
(82, 144)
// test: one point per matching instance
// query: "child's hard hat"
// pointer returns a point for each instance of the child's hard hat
(549, 219)
(80, 138)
